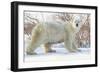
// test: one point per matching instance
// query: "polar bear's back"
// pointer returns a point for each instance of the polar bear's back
(55, 31)
(55, 27)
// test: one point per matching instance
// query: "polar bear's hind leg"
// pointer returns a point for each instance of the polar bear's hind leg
(48, 48)
(36, 40)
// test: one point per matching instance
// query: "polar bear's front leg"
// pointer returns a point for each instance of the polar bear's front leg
(74, 45)
(69, 43)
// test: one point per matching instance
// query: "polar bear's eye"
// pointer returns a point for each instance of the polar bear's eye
(77, 25)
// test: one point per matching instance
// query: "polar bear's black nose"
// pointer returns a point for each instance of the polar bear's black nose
(77, 25)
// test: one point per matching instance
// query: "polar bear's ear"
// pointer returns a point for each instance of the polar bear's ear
(72, 18)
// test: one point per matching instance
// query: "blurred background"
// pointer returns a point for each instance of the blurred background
(31, 19)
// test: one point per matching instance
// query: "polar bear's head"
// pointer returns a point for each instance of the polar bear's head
(77, 21)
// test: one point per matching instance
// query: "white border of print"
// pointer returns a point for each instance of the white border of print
(79, 61)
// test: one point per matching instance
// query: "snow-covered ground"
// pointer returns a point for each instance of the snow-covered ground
(61, 54)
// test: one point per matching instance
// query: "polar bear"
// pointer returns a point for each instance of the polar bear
(49, 33)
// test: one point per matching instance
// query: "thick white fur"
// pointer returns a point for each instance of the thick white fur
(53, 32)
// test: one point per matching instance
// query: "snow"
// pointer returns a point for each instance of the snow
(61, 54)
